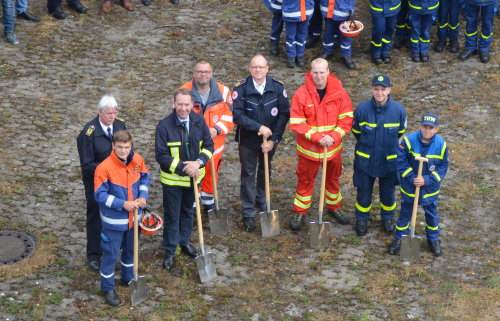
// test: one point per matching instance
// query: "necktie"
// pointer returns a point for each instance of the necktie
(109, 134)
(186, 132)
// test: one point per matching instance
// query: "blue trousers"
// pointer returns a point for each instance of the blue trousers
(316, 22)
(276, 28)
(364, 185)
(471, 13)
(331, 33)
(112, 242)
(178, 220)
(448, 13)
(431, 218)
(296, 33)
(8, 14)
(403, 27)
(382, 32)
(421, 31)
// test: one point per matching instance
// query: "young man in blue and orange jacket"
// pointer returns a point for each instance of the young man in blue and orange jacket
(121, 186)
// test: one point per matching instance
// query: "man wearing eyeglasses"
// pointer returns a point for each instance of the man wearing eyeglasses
(261, 109)
(212, 100)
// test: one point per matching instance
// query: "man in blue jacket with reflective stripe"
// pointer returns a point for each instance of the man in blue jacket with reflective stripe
(422, 14)
(384, 15)
(424, 143)
(378, 124)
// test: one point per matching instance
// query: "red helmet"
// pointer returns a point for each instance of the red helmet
(351, 28)
(150, 222)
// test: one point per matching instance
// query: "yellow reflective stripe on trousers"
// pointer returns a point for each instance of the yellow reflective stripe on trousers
(318, 155)
(388, 208)
(298, 203)
(332, 196)
(443, 26)
(303, 198)
(431, 194)
(423, 40)
(385, 40)
(402, 228)
(330, 202)
(486, 37)
(363, 209)
(413, 40)
(437, 175)
(431, 228)
(404, 192)
(376, 44)
(454, 27)
(407, 171)
(362, 154)
(471, 34)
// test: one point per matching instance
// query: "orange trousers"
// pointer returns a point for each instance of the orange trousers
(207, 190)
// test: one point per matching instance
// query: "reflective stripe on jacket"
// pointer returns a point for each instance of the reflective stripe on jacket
(115, 183)
(297, 10)
(423, 7)
(386, 8)
(273, 5)
(312, 119)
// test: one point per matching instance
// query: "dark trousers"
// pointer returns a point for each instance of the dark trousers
(331, 32)
(382, 32)
(276, 28)
(296, 34)
(431, 219)
(53, 5)
(316, 23)
(421, 31)
(93, 222)
(252, 193)
(364, 185)
(117, 244)
(471, 14)
(403, 27)
(448, 19)
(178, 218)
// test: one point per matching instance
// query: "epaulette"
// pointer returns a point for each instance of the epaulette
(90, 130)
(278, 81)
(241, 82)
(120, 119)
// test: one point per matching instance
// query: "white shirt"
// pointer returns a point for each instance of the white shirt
(259, 88)
(105, 128)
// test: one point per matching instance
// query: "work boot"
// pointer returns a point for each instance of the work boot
(300, 61)
(94, 265)
(484, 56)
(26, 15)
(439, 47)
(361, 227)
(208, 207)
(424, 57)
(464, 55)
(454, 47)
(394, 247)
(435, 247)
(388, 226)
(274, 49)
(415, 57)
(296, 221)
(249, 224)
(349, 63)
(338, 216)
(112, 298)
(291, 62)
(386, 58)
(377, 59)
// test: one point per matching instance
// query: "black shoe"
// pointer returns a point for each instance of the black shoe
(415, 57)
(338, 216)
(311, 43)
(326, 56)
(398, 42)
(361, 227)
(484, 56)
(388, 226)
(454, 47)
(124, 283)
(394, 247)
(274, 49)
(439, 47)
(435, 247)
(174, 1)
(78, 7)
(94, 265)
(169, 262)
(424, 57)
(290, 62)
(146, 2)
(349, 63)
(249, 224)
(296, 221)
(112, 298)
(26, 15)
(190, 251)
(300, 61)
(464, 55)
(58, 14)
(377, 59)
(208, 207)
(386, 58)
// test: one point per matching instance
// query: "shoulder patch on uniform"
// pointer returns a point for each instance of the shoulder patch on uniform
(90, 130)
(120, 119)
(278, 81)
(241, 82)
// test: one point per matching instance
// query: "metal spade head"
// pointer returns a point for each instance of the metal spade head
(270, 223)
(206, 267)
(410, 248)
(218, 220)
(319, 234)
(139, 290)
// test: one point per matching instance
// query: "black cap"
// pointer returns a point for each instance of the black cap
(430, 119)
(382, 80)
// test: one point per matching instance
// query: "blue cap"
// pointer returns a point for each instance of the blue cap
(382, 80)
(430, 119)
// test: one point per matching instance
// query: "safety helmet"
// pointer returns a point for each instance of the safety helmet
(351, 28)
(150, 222)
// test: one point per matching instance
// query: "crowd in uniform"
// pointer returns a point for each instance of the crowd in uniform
(116, 179)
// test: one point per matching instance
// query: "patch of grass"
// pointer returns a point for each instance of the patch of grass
(55, 298)
(237, 259)
(353, 239)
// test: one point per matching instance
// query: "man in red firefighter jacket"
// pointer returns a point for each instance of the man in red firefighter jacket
(321, 115)
(213, 100)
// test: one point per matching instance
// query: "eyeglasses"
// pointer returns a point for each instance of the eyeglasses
(258, 67)
(203, 71)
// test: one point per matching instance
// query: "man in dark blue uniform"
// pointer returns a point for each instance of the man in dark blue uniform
(94, 146)
(378, 124)
(260, 106)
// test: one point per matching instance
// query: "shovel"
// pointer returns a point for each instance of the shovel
(319, 232)
(269, 220)
(217, 217)
(410, 245)
(205, 261)
(138, 287)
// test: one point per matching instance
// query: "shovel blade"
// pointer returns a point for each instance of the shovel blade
(218, 221)
(410, 248)
(139, 290)
(270, 223)
(206, 267)
(319, 234)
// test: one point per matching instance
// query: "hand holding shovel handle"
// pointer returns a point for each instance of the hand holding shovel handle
(421, 160)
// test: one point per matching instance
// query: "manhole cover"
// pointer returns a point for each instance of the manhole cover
(16, 246)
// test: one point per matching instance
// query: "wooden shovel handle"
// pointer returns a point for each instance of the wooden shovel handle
(323, 183)
(198, 212)
(421, 160)
(136, 244)
(266, 175)
(214, 183)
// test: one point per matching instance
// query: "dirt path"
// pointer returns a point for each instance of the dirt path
(50, 85)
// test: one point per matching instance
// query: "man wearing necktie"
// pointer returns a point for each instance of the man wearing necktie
(94, 146)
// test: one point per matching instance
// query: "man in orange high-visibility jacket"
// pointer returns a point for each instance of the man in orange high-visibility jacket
(213, 100)
(321, 115)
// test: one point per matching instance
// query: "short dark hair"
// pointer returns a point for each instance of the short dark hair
(122, 136)
(202, 62)
(183, 91)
